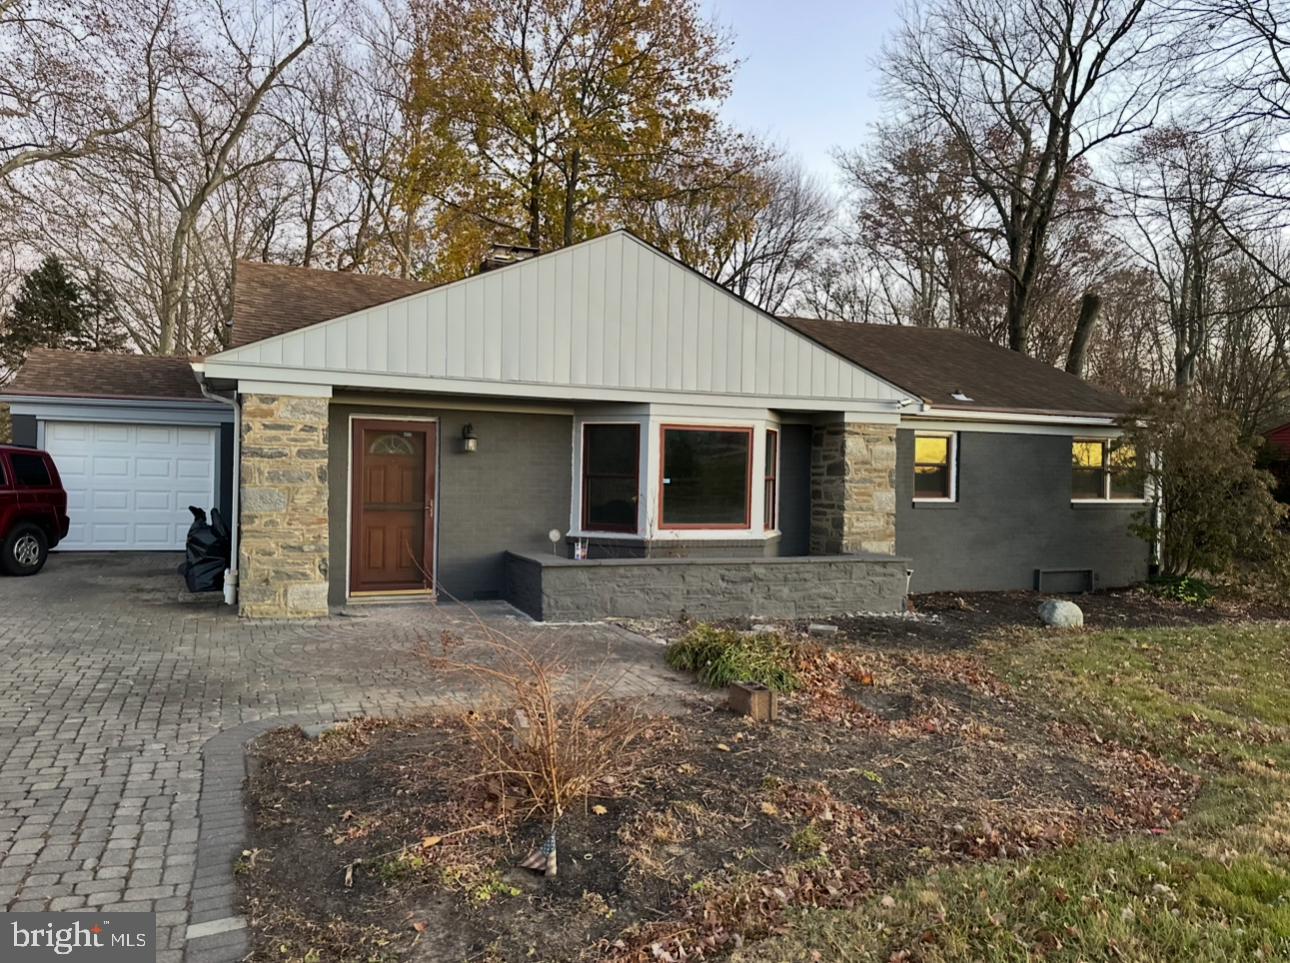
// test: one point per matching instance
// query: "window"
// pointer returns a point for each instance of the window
(706, 477)
(772, 478)
(1104, 470)
(933, 467)
(610, 477)
(392, 444)
(29, 471)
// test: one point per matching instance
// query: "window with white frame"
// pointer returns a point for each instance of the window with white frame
(1104, 470)
(935, 454)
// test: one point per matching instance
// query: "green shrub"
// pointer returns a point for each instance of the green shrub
(1188, 590)
(722, 656)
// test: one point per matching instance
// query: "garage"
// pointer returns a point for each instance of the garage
(135, 442)
(129, 486)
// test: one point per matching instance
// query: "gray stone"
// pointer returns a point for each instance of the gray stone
(821, 628)
(1061, 614)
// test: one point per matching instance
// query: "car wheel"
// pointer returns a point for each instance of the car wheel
(25, 550)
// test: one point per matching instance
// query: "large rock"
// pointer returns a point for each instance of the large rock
(1061, 614)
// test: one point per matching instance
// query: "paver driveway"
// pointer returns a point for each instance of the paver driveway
(110, 685)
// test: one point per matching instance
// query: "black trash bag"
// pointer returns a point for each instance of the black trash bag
(207, 552)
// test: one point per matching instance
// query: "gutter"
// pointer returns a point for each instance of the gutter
(235, 523)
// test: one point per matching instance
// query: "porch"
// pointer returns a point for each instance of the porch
(557, 589)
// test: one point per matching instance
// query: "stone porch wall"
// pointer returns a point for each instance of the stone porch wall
(283, 543)
(853, 489)
(565, 590)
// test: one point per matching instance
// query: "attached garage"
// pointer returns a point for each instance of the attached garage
(135, 446)
(129, 486)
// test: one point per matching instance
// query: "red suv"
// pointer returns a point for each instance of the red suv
(33, 509)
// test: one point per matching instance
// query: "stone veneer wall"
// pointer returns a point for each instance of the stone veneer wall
(564, 590)
(853, 489)
(283, 542)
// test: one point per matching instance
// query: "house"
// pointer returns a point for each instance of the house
(603, 431)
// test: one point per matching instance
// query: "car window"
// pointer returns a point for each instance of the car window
(4, 483)
(29, 471)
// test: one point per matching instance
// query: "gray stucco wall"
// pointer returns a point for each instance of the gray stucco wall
(563, 590)
(1013, 515)
(795, 490)
(507, 495)
(224, 467)
(24, 430)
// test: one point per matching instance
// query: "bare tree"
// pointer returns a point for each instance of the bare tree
(1025, 89)
(1186, 194)
(64, 90)
(770, 258)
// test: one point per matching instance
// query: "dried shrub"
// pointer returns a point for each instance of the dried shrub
(534, 741)
(719, 657)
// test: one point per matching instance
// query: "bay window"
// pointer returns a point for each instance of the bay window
(610, 477)
(706, 477)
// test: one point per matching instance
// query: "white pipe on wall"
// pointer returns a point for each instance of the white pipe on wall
(235, 522)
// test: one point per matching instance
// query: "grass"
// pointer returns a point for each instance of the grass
(1215, 700)
(719, 657)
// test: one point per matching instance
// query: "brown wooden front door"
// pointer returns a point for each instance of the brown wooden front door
(392, 520)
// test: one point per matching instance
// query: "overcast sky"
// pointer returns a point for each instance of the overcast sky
(807, 78)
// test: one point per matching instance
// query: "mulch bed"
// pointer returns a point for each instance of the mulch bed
(369, 844)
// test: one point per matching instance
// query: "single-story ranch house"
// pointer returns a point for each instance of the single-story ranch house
(591, 432)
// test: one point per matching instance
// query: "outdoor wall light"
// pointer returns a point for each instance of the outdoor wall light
(469, 440)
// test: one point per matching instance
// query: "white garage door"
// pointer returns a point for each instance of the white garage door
(129, 486)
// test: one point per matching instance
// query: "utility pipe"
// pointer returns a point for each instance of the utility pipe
(234, 523)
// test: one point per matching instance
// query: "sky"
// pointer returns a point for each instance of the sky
(807, 78)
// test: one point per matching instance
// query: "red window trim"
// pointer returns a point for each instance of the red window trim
(636, 479)
(771, 486)
(746, 525)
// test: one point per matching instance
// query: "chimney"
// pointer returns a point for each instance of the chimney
(501, 255)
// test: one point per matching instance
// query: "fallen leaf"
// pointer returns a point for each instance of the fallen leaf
(770, 809)
(723, 747)
(430, 841)
(420, 926)
(599, 810)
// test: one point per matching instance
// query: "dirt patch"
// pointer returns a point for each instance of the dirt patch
(957, 620)
(366, 846)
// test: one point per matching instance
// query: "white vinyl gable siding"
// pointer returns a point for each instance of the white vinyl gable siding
(611, 314)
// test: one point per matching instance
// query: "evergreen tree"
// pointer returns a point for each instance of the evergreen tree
(53, 310)
(101, 327)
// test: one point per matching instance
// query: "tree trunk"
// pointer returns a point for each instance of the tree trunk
(570, 196)
(1090, 309)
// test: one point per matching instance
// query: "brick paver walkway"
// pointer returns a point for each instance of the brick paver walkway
(109, 687)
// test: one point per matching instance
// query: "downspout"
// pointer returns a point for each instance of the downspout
(234, 523)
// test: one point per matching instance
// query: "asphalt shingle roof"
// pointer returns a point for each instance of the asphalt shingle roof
(936, 363)
(271, 299)
(930, 363)
(85, 374)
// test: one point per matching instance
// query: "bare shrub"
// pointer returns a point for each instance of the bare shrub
(540, 739)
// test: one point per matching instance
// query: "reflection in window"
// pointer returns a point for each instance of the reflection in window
(391, 444)
(933, 466)
(1102, 470)
(610, 477)
(706, 477)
